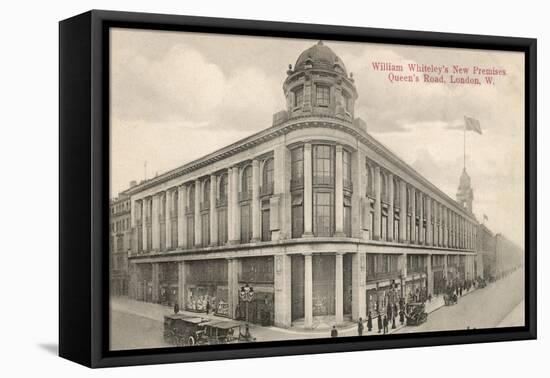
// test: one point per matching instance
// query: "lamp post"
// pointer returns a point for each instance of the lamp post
(247, 295)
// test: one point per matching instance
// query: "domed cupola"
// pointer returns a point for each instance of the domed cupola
(465, 193)
(319, 85)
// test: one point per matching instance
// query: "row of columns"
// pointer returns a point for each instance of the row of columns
(233, 210)
(457, 232)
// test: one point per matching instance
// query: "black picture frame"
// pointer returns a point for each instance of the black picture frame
(84, 187)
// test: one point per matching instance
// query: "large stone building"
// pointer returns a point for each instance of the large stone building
(314, 213)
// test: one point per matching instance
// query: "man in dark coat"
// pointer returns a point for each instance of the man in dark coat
(176, 308)
(379, 323)
(401, 316)
(385, 324)
(369, 322)
(334, 332)
(360, 327)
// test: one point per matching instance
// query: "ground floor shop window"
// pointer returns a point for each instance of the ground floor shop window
(323, 269)
(260, 311)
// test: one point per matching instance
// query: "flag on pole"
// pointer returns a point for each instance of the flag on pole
(472, 124)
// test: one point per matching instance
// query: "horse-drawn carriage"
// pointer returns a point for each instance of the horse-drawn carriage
(415, 313)
(450, 298)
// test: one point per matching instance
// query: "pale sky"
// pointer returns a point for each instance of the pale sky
(177, 96)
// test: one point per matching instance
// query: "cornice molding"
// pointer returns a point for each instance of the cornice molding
(298, 123)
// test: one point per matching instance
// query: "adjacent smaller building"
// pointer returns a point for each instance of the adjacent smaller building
(120, 243)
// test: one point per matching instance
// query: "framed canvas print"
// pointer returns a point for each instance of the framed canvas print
(233, 188)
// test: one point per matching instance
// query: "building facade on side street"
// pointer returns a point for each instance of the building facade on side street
(120, 244)
(315, 214)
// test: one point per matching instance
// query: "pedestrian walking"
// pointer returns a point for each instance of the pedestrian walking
(379, 323)
(334, 332)
(385, 324)
(401, 317)
(176, 308)
(369, 322)
(207, 307)
(360, 327)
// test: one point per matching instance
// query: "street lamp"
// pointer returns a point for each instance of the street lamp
(247, 295)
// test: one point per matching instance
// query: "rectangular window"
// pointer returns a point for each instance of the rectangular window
(323, 165)
(297, 216)
(346, 160)
(222, 226)
(174, 233)
(205, 229)
(246, 224)
(323, 95)
(190, 231)
(347, 216)
(322, 214)
(298, 97)
(266, 232)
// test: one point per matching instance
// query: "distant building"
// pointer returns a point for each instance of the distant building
(313, 212)
(120, 243)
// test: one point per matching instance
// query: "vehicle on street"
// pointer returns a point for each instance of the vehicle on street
(183, 330)
(415, 313)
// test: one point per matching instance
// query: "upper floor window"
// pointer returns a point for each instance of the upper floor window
(223, 188)
(191, 198)
(298, 97)
(396, 191)
(247, 180)
(323, 95)
(323, 165)
(370, 181)
(267, 176)
(297, 165)
(346, 161)
(384, 186)
(206, 194)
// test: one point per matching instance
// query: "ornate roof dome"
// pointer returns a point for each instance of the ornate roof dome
(320, 56)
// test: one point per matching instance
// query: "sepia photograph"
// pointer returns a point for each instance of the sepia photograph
(267, 189)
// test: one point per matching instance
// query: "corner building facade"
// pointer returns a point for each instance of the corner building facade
(315, 214)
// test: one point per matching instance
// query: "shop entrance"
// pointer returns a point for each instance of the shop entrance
(297, 286)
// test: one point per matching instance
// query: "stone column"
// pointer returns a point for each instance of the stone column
(198, 223)
(421, 219)
(168, 219)
(308, 192)
(445, 227)
(213, 212)
(155, 227)
(282, 285)
(155, 282)
(339, 193)
(144, 216)
(391, 211)
(233, 285)
(413, 215)
(255, 201)
(182, 220)
(429, 224)
(234, 226)
(339, 289)
(358, 282)
(308, 290)
(429, 275)
(445, 271)
(230, 207)
(182, 290)
(403, 213)
(377, 204)
(359, 215)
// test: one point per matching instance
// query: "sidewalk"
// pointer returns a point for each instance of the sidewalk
(157, 312)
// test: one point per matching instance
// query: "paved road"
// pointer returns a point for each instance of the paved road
(483, 308)
(130, 331)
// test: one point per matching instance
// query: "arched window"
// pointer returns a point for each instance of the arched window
(206, 194)
(223, 189)
(383, 186)
(370, 180)
(267, 177)
(246, 185)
